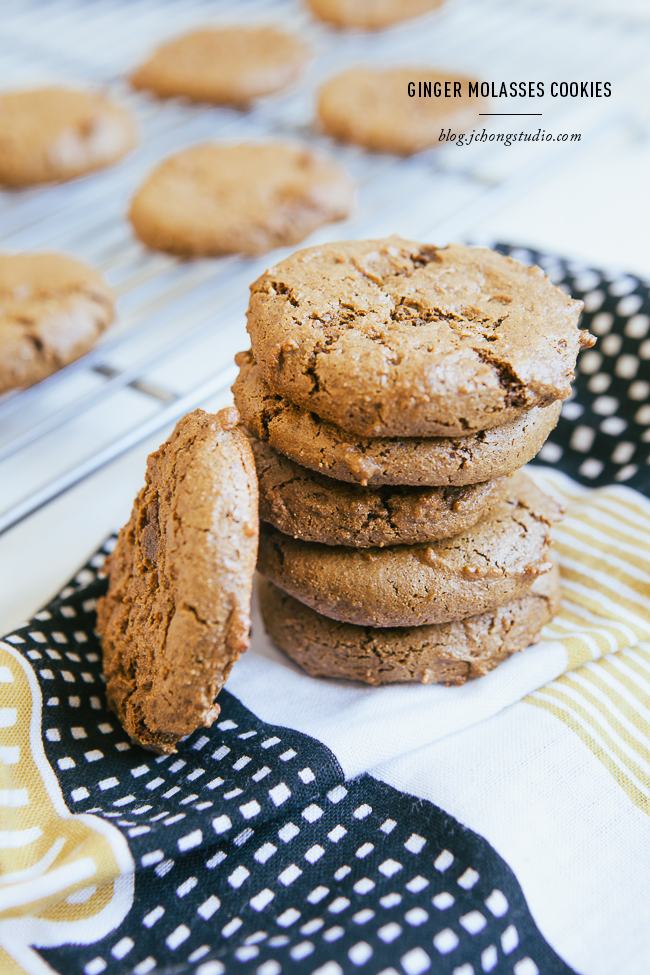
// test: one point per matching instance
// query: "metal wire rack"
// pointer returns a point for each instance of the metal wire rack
(180, 322)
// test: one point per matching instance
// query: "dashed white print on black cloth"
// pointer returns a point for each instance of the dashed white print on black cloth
(252, 854)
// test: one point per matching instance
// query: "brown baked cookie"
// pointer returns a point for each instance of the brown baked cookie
(55, 134)
(495, 560)
(319, 509)
(369, 14)
(177, 612)
(216, 199)
(373, 108)
(324, 447)
(52, 310)
(446, 653)
(390, 338)
(226, 65)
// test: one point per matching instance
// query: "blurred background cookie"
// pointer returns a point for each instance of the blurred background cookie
(370, 14)
(228, 65)
(57, 133)
(373, 108)
(52, 310)
(249, 198)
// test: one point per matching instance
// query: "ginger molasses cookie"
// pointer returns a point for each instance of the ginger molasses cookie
(230, 65)
(390, 338)
(177, 612)
(315, 508)
(52, 310)
(249, 198)
(369, 14)
(373, 108)
(443, 653)
(322, 446)
(56, 134)
(495, 560)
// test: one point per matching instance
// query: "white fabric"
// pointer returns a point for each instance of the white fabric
(577, 845)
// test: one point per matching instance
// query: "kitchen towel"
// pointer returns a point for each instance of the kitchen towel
(326, 827)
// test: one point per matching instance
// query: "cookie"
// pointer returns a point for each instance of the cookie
(315, 508)
(217, 199)
(52, 310)
(227, 65)
(177, 612)
(443, 653)
(390, 338)
(495, 560)
(56, 134)
(322, 446)
(373, 108)
(369, 14)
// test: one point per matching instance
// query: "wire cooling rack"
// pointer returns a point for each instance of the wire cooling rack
(179, 323)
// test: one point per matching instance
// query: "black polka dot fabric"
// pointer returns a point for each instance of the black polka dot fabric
(253, 854)
(603, 435)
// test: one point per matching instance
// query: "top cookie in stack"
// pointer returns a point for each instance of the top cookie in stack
(426, 376)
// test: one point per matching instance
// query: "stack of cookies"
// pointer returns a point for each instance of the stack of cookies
(392, 392)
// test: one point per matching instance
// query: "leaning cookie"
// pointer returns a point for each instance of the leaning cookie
(387, 111)
(227, 65)
(495, 560)
(391, 338)
(216, 199)
(322, 446)
(315, 508)
(56, 134)
(177, 612)
(52, 310)
(369, 14)
(443, 653)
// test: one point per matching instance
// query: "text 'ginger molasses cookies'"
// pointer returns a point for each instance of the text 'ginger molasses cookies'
(315, 508)
(322, 446)
(374, 109)
(229, 65)
(56, 134)
(52, 310)
(443, 653)
(177, 612)
(369, 14)
(390, 338)
(215, 199)
(495, 560)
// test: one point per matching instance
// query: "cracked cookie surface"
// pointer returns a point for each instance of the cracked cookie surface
(444, 653)
(496, 559)
(59, 133)
(322, 446)
(177, 612)
(52, 310)
(373, 108)
(227, 65)
(315, 508)
(247, 198)
(391, 338)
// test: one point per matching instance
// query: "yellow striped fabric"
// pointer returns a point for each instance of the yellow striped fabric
(607, 704)
(73, 873)
(603, 546)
